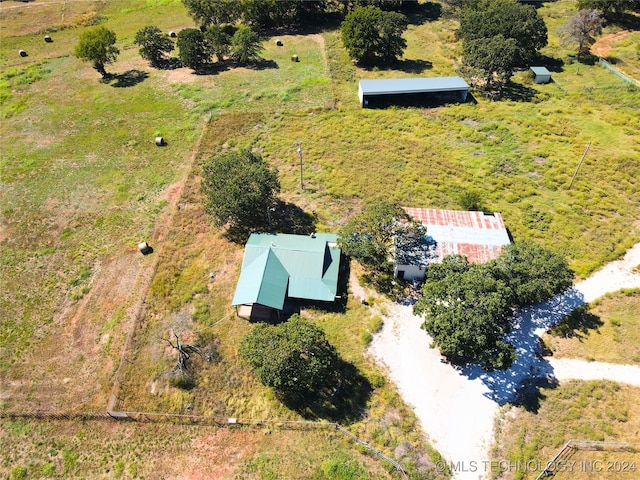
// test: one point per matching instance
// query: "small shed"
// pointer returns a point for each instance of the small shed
(405, 91)
(541, 74)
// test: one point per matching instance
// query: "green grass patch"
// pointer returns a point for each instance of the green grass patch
(606, 331)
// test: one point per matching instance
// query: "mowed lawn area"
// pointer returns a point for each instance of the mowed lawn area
(83, 182)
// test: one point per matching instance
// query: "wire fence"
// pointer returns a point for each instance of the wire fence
(202, 420)
(618, 73)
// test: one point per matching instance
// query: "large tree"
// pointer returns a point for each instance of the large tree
(98, 47)
(373, 36)
(240, 188)
(468, 307)
(492, 59)
(211, 12)
(219, 42)
(246, 45)
(609, 8)
(582, 28)
(534, 274)
(467, 313)
(369, 236)
(193, 48)
(153, 43)
(510, 19)
(294, 358)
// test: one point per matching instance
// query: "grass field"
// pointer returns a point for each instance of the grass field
(606, 331)
(594, 410)
(83, 183)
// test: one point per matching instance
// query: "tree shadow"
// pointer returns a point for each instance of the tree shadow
(290, 218)
(627, 21)
(577, 324)
(551, 63)
(517, 92)
(212, 68)
(130, 78)
(168, 64)
(262, 64)
(419, 13)
(344, 401)
(412, 65)
(529, 395)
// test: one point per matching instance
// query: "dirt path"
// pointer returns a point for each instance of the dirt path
(603, 45)
(457, 406)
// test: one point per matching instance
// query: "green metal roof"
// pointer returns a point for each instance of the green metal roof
(280, 265)
(540, 70)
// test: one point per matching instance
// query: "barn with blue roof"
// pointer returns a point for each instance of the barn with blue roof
(407, 91)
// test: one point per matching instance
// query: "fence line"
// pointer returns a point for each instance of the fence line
(202, 420)
(618, 73)
(586, 445)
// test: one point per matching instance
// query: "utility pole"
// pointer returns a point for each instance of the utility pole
(300, 153)
(579, 164)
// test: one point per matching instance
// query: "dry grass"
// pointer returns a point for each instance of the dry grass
(607, 331)
(594, 410)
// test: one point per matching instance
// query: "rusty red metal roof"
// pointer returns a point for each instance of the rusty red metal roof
(479, 236)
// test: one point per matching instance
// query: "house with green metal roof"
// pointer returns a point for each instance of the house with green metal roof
(279, 266)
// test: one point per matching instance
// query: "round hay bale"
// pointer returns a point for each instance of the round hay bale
(172, 34)
(279, 43)
(22, 53)
(48, 39)
(160, 141)
(145, 248)
(295, 58)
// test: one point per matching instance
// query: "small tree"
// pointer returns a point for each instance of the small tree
(294, 358)
(193, 49)
(246, 45)
(97, 46)
(371, 35)
(219, 42)
(240, 188)
(154, 44)
(369, 236)
(582, 29)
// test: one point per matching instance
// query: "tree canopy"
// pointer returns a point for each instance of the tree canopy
(97, 46)
(609, 8)
(373, 36)
(240, 188)
(193, 48)
(219, 42)
(245, 45)
(582, 28)
(468, 307)
(153, 43)
(466, 312)
(500, 35)
(294, 358)
(369, 236)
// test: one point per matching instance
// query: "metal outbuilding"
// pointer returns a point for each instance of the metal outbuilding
(412, 90)
(479, 236)
(541, 74)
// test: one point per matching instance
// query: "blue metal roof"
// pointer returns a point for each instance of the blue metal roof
(390, 86)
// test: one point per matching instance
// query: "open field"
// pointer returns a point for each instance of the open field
(83, 183)
(594, 410)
